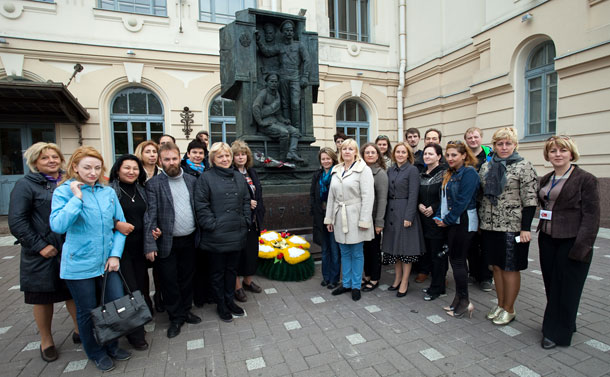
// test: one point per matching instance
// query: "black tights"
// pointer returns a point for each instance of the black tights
(459, 239)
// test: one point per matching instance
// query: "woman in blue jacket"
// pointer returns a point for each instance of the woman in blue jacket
(458, 213)
(86, 211)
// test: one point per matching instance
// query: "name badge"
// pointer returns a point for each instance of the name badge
(546, 215)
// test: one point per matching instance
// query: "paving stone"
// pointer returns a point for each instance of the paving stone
(372, 308)
(355, 339)
(257, 363)
(74, 366)
(431, 354)
(318, 300)
(270, 291)
(598, 345)
(523, 371)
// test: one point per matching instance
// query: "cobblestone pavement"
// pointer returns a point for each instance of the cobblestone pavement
(300, 329)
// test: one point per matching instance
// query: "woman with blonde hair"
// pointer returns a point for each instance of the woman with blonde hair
(569, 222)
(403, 240)
(222, 205)
(458, 212)
(349, 214)
(148, 152)
(86, 210)
(510, 191)
(28, 220)
(248, 262)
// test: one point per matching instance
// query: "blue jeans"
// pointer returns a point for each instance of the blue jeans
(352, 263)
(330, 257)
(85, 297)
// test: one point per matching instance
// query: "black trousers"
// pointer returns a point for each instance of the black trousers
(202, 286)
(135, 271)
(424, 265)
(176, 273)
(564, 280)
(458, 240)
(372, 257)
(223, 272)
(478, 262)
(440, 265)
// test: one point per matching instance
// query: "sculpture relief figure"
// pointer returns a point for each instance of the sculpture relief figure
(270, 64)
(266, 110)
(294, 70)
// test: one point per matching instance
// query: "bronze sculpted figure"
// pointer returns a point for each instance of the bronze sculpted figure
(294, 70)
(267, 113)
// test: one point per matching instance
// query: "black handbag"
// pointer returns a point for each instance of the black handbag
(119, 317)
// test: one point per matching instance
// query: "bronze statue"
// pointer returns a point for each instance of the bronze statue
(294, 70)
(266, 110)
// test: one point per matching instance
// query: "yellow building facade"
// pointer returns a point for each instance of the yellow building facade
(385, 66)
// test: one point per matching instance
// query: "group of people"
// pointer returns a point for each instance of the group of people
(194, 220)
(471, 207)
(197, 220)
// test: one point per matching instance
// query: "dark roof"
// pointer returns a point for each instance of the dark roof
(25, 101)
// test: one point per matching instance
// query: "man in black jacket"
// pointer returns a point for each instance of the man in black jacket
(171, 212)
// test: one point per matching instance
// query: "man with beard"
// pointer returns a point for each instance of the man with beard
(171, 212)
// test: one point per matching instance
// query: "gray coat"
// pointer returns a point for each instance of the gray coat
(381, 195)
(403, 191)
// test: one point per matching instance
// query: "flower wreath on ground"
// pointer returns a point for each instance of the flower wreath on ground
(284, 257)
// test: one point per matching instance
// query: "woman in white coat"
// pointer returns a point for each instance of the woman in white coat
(349, 214)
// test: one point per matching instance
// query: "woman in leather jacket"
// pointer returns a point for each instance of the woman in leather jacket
(28, 220)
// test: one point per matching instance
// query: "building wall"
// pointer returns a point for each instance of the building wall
(177, 58)
(455, 85)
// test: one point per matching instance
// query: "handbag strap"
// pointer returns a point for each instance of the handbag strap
(102, 299)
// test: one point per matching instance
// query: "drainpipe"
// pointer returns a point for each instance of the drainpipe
(402, 38)
(274, 6)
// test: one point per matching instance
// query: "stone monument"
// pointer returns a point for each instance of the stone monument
(269, 67)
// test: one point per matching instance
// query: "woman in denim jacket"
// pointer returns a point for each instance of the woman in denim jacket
(86, 211)
(458, 212)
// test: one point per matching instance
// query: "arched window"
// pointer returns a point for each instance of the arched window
(136, 114)
(541, 91)
(222, 120)
(353, 121)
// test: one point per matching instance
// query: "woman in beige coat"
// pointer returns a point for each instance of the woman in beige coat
(349, 214)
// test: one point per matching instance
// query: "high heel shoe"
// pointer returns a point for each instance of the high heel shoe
(454, 303)
(493, 313)
(456, 314)
(393, 288)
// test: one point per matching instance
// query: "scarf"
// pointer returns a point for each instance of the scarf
(324, 183)
(198, 168)
(496, 176)
(51, 179)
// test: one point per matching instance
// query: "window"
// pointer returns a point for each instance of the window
(222, 11)
(154, 7)
(353, 121)
(541, 91)
(136, 115)
(222, 120)
(349, 19)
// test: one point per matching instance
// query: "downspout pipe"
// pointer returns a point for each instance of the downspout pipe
(274, 6)
(402, 46)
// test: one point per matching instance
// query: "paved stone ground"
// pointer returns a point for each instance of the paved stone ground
(299, 329)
